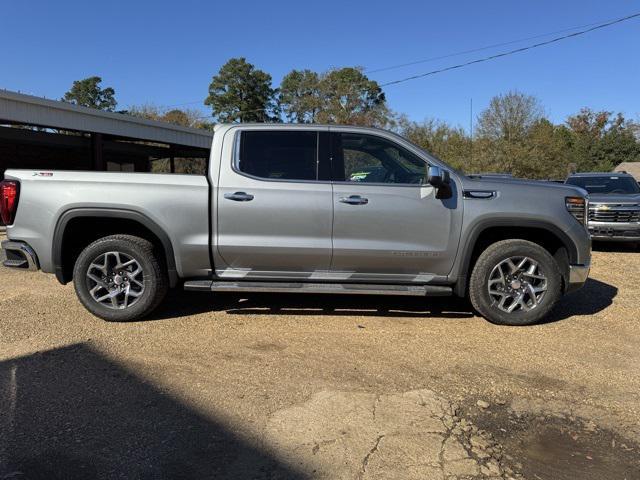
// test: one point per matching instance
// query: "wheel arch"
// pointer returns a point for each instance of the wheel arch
(94, 223)
(545, 234)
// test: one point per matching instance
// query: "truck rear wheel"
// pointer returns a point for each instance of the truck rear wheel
(515, 282)
(119, 279)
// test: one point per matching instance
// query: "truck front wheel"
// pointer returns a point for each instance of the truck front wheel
(515, 282)
(119, 279)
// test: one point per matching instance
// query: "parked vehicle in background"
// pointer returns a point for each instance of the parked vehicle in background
(614, 205)
(302, 208)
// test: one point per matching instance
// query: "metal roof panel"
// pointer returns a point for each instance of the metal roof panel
(21, 108)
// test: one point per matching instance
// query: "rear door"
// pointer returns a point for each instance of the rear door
(388, 223)
(274, 204)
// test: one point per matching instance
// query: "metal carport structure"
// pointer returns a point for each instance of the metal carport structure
(38, 133)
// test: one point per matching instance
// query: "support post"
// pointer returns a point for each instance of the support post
(96, 152)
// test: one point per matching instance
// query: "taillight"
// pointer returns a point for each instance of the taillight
(9, 193)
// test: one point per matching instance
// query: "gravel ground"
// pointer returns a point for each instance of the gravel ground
(261, 386)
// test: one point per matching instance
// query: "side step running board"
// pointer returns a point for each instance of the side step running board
(344, 288)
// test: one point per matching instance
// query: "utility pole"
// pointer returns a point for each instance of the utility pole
(471, 126)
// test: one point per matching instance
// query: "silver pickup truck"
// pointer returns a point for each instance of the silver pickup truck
(614, 205)
(301, 208)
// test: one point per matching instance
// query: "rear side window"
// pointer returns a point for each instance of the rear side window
(278, 155)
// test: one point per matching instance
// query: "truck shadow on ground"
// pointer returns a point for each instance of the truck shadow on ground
(73, 413)
(615, 247)
(594, 297)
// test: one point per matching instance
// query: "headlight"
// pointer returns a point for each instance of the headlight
(577, 206)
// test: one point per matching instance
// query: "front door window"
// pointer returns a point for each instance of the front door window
(369, 159)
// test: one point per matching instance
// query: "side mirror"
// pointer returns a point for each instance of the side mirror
(437, 177)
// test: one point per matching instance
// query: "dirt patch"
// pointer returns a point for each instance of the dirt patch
(267, 347)
(544, 447)
(210, 379)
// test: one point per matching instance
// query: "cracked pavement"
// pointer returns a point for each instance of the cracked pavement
(347, 435)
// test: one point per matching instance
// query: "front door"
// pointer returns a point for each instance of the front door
(275, 213)
(388, 223)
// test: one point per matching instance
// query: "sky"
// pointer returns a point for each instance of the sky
(165, 53)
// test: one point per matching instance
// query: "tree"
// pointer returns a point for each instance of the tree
(89, 93)
(343, 96)
(601, 140)
(509, 116)
(349, 97)
(179, 117)
(449, 143)
(186, 118)
(300, 96)
(241, 93)
(548, 154)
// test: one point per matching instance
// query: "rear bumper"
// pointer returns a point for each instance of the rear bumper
(18, 255)
(578, 275)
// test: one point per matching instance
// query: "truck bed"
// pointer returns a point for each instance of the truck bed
(178, 204)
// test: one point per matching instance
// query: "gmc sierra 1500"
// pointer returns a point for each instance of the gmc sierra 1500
(301, 208)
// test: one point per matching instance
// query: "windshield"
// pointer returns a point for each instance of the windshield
(609, 184)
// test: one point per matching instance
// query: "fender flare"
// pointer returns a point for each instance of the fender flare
(68, 215)
(483, 225)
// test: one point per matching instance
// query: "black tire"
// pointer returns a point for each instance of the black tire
(153, 278)
(498, 252)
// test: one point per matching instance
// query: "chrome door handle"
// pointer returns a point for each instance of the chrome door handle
(484, 194)
(354, 200)
(239, 197)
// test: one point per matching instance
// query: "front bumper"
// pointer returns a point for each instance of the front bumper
(578, 275)
(621, 232)
(18, 255)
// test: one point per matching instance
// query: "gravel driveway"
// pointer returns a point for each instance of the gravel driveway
(286, 386)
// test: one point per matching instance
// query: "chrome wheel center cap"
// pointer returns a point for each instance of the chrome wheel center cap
(516, 284)
(118, 280)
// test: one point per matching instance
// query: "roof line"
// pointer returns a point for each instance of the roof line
(121, 117)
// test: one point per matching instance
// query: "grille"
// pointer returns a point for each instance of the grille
(615, 213)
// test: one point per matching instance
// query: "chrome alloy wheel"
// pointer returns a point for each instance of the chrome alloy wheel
(517, 284)
(115, 280)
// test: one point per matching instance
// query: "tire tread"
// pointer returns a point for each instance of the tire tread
(488, 259)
